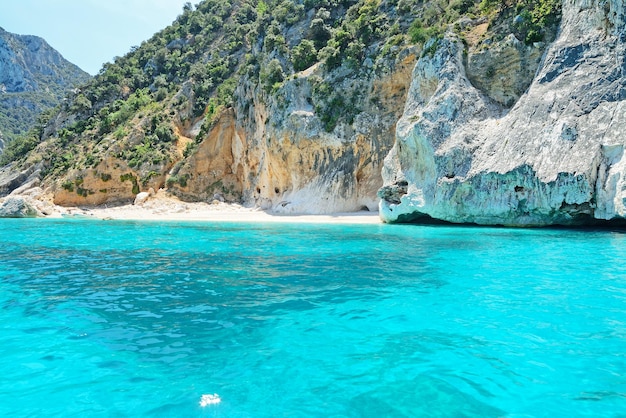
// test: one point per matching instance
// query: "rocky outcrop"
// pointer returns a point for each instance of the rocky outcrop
(111, 181)
(493, 130)
(13, 180)
(17, 207)
(215, 168)
(28, 61)
(556, 157)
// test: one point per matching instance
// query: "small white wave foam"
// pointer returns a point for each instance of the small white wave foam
(206, 400)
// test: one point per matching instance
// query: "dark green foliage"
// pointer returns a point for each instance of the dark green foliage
(150, 152)
(420, 34)
(81, 104)
(164, 133)
(272, 74)
(121, 111)
(365, 23)
(331, 113)
(331, 55)
(78, 182)
(319, 31)
(225, 92)
(146, 178)
(274, 38)
(331, 106)
(210, 118)
(20, 146)
(68, 185)
(462, 6)
(57, 163)
(190, 148)
(130, 177)
(303, 55)
(534, 17)
(181, 180)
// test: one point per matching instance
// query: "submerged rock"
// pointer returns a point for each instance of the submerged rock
(556, 157)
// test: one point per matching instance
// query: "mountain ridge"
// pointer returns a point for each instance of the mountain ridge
(33, 77)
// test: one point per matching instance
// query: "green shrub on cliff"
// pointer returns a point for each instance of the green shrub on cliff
(303, 55)
(419, 34)
(272, 74)
(532, 17)
(20, 146)
(535, 17)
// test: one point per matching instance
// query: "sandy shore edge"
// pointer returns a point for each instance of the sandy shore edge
(174, 210)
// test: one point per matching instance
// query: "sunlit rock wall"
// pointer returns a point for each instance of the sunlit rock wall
(272, 151)
(556, 157)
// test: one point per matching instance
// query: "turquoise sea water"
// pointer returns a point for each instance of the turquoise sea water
(102, 318)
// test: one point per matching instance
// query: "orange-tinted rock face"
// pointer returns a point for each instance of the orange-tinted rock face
(111, 181)
(212, 170)
(272, 151)
(279, 156)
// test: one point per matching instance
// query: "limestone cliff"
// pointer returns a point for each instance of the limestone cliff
(266, 151)
(274, 153)
(554, 157)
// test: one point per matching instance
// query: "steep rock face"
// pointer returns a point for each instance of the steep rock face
(555, 158)
(505, 69)
(273, 152)
(112, 181)
(26, 61)
(12, 179)
(33, 77)
(270, 151)
(213, 171)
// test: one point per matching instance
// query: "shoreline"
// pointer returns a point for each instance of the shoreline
(166, 210)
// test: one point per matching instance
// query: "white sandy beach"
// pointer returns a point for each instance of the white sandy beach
(171, 209)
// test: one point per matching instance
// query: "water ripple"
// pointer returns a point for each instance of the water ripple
(144, 318)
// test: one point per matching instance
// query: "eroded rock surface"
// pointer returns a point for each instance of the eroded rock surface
(17, 207)
(273, 152)
(555, 158)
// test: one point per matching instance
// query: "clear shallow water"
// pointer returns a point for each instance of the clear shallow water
(141, 319)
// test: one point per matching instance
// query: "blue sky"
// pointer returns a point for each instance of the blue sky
(89, 33)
